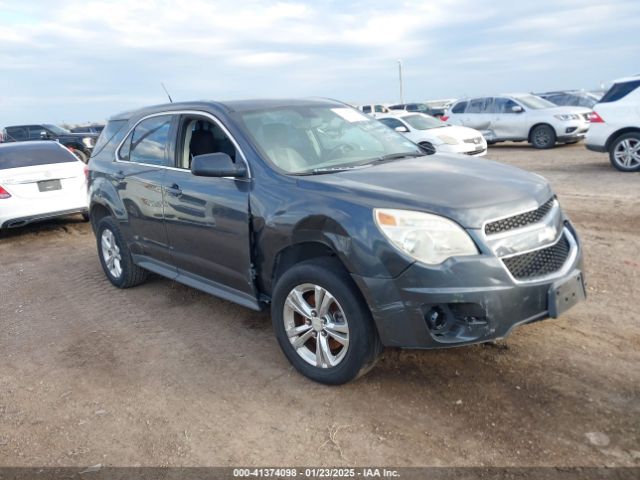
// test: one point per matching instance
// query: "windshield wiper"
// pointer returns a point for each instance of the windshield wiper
(396, 156)
(325, 170)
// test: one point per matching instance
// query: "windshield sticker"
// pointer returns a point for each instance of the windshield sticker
(350, 115)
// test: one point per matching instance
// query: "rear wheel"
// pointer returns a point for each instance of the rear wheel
(543, 136)
(624, 152)
(322, 323)
(115, 256)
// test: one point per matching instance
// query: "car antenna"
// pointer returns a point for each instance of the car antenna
(166, 91)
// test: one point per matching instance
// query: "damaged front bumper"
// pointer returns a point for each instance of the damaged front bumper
(467, 300)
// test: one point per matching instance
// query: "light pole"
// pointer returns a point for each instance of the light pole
(400, 78)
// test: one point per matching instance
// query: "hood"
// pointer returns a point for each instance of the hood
(467, 190)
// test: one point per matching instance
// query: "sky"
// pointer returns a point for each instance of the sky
(81, 61)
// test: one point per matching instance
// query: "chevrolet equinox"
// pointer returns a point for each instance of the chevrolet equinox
(353, 236)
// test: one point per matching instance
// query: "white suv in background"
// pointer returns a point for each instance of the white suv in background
(521, 117)
(615, 125)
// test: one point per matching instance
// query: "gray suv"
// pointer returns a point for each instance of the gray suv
(349, 233)
(521, 117)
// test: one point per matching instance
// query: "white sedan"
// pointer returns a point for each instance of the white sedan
(435, 135)
(40, 180)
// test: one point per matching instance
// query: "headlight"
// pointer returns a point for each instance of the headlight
(448, 140)
(89, 142)
(428, 238)
(567, 116)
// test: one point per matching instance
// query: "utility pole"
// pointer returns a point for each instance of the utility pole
(400, 78)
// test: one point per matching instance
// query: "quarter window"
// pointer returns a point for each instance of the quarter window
(148, 142)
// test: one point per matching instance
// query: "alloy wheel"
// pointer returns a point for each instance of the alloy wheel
(627, 153)
(316, 325)
(111, 253)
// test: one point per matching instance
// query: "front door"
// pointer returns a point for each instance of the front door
(506, 123)
(207, 219)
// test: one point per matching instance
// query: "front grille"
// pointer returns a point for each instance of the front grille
(476, 152)
(519, 221)
(540, 262)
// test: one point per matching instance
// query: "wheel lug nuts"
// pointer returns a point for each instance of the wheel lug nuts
(324, 334)
(314, 313)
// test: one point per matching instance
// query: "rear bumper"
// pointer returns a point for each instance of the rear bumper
(596, 148)
(37, 217)
(475, 295)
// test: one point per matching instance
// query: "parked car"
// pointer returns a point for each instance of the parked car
(80, 144)
(38, 181)
(97, 129)
(615, 125)
(412, 107)
(521, 118)
(571, 98)
(373, 109)
(434, 135)
(335, 222)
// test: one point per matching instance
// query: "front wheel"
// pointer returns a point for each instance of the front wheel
(543, 136)
(322, 323)
(624, 152)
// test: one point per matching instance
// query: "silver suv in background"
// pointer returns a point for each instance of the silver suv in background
(521, 118)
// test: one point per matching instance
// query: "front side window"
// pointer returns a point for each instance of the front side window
(423, 122)
(534, 102)
(366, 109)
(317, 139)
(199, 136)
(392, 122)
(35, 132)
(503, 105)
(620, 90)
(148, 142)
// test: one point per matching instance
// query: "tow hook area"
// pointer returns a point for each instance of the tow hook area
(456, 322)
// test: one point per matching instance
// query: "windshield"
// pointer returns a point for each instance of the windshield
(534, 102)
(55, 129)
(423, 122)
(310, 139)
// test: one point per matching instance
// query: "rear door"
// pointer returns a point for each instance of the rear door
(207, 219)
(475, 115)
(139, 176)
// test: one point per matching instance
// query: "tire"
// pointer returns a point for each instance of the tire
(428, 147)
(80, 155)
(347, 317)
(624, 152)
(121, 272)
(543, 136)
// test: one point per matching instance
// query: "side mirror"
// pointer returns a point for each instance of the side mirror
(401, 129)
(44, 135)
(217, 165)
(517, 109)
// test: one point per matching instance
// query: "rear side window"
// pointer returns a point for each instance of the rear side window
(366, 109)
(459, 107)
(148, 142)
(109, 131)
(16, 134)
(12, 156)
(620, 90)
(392, 122)
(476, 106)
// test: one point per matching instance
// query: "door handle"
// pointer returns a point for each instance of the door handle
(119, 176)
(174, 190)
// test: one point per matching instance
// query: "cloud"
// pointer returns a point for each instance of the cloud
(89, 58)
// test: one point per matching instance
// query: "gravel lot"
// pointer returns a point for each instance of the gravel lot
(163, 375)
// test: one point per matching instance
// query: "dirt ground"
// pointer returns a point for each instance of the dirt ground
(163, 375)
